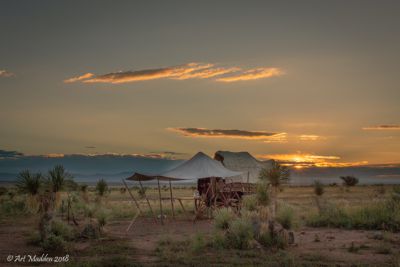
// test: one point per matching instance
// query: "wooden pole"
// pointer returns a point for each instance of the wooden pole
(148, 202)
(159, 195)
(172, 200)
(134, 199)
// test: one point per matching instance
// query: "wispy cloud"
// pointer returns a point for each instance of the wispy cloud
(5, 73)
(181, 72)
(253, 74)
(303, 160)
(383, 127)
(79, 78)
(227, 133)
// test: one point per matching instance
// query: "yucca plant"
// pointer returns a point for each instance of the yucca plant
(58, 177)
(101, 187)
(29, 183)
(274, 176)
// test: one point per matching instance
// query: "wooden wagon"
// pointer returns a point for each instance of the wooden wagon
(216, 192)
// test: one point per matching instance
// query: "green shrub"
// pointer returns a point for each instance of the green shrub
(272, 241)
(102, 217)
(379, 216)
(60, 228)
(13, 207)
(263, 197)
(222, 218)
(250, 202)
(198, 243)
(240, 233)
(349, 180)
(318, 188)
(54, 243)
(285, 217)
(218, 240)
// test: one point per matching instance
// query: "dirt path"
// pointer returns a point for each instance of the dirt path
(145, 234)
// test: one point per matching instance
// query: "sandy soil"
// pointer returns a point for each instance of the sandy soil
(325, 244)
(316, 244)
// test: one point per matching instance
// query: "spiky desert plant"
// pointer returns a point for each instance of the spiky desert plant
(101, 187)
(57, 178)
(29, 183)
(275, 176)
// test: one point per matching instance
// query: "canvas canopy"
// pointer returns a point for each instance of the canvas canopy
(199, 166)
(244, 162)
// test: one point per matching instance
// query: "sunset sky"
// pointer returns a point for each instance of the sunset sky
(303, 81)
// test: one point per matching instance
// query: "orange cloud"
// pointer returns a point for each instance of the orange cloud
(207, 73)
(79, 78)
(301, 160)
(54, 155)
(5, 73)
(310, 137)
(383, 127)
(182, 72)
(224, 133)
(253, 74)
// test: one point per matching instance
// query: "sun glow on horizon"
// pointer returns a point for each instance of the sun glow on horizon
(306, 160)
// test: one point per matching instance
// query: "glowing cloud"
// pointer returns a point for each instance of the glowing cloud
(310, 137)
(181, 72)
(303, 160)
(79, 78)
(253, 74)
(207, 73)
(224, 133)
(383, 127)
(5, 73)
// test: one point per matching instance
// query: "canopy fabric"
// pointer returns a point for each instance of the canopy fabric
(148, 177)
(199, 166)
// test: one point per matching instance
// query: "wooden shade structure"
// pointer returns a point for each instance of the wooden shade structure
(199, 166)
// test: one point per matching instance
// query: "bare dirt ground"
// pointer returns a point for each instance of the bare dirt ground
(145, 234)
(320, 244)
(331, 246)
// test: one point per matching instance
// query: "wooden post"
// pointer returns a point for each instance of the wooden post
(159, 195)
(134, 199)
(172, 200)
(148, 202)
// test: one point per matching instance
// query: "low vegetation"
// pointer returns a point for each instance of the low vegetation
(384, 215)
(245, 238)
(349, 180)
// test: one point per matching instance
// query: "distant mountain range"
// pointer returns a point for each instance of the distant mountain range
(113, 168)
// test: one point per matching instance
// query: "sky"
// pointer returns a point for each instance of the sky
(310, 82)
